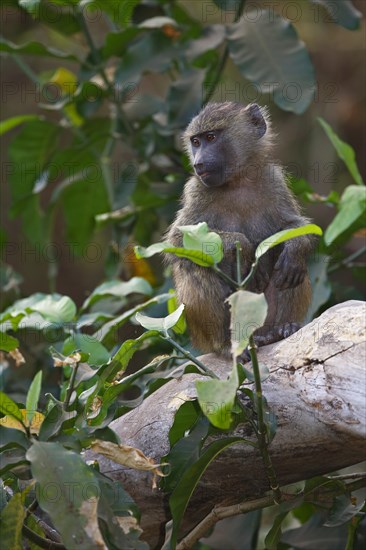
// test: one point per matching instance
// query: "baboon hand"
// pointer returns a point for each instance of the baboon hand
(289, 271)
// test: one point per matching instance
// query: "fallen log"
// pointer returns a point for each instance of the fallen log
(317, 390)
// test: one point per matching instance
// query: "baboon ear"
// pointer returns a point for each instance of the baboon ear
(257, 119)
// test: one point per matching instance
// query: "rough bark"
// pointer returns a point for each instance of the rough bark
(316, 388)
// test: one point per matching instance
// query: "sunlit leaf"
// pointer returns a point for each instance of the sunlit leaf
(352, 208)
(344, 151)
(162, 324)
(33, 396)
(286, 235)
(248, 313)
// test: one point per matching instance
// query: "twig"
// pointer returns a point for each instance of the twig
(262, 428)
(70, 389)
(188, 355)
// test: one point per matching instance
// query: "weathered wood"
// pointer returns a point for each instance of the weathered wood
(317, 390)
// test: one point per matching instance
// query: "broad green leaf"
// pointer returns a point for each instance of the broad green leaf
(342, 12)
(320, 284)
(198, 237)
(33, 396)
(107, 331)
(118, 289)
(116, 43)
(286, 235)
(10, 123)
(217, 397)
(98, 354)
(33, 48)
(248, 313)
(196, 256)
(55, 308)
(185, 452)
(9, 408)
(181, 326)
(187, 484)
(185, 417)
(352, 208)
(12, 518)
(273, 537)
(267, 51)
(7, 342)
(12, 437)
(162, 324)
(152, 52)
(344, 151)
(52, 15)
(69, 492)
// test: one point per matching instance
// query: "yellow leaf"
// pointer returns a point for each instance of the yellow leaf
(10, 422)
(66, 80)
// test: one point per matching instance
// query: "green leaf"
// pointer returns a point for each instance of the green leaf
(33, 48)
(274, 535)
(187, 484)
(33, 396)
(320, 284)
(352, 208)
(11, 438)
(185, 452)
(198, 237)
(344, 151)
(12, 518)
(69, 492)
(217, 397)
(56, 308)
(116, 43)
(267, 51)
(118, 289)
(8, 407)
(10, 123)
(107, 331)
(98, 354)
(196, 256)
(8, 343)
(185, 417)
(162, 324)
(181, 326)
(212, 37)
(286, 235)
(342, 12)
(248, 313)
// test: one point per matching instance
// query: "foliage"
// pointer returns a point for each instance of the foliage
(63, 162)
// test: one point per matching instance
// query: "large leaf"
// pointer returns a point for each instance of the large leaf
(7, 342)
(342, 12)
(274, 535)
(352, 208)
(286, 235)
(33, 396)
(266, 49)
(217, 397)
(98, 354)
(12, 517)
(69, 492)
(162, 324)
(248, 313)
(198, 237)
(118, 289)
(9, 408)
(183, 492)
(212, 37)
(344, 151)
(10, 123)
(197, 256)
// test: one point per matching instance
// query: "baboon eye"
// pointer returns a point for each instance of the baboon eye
(195, 142)
(211, 136)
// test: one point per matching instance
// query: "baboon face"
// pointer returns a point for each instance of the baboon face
(209, 158)
(221, 140)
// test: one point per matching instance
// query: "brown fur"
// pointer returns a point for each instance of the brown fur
(253, 204)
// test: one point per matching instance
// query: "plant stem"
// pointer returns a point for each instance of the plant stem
(262, 428)
(40, 541)
(245, 281)
(191, 357)
(238, 262)
(71, 385)
(226, 278)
